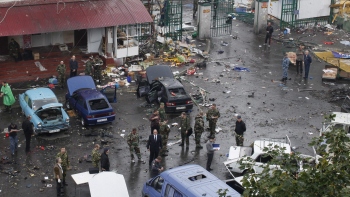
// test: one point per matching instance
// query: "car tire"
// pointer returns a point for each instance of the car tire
(83, 123)
(67, 105)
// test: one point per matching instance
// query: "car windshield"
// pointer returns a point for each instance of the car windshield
(98, 104)
(177, 92)
(39, 103)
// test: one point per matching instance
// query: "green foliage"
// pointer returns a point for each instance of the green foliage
(222, 192)
(323, 175)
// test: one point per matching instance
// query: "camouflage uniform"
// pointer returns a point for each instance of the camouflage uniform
(96, 157)
(162, 115)
(88, 67)
(185, 125)
(14, 49)
(61, 69)
(64, 164)
(133, 142)
(164, 132)
(198, 129)
(212, 121)
(97, 69)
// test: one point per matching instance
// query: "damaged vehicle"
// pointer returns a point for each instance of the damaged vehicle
(48, 115)
(161, 86)
(91, 106)
(341, 121)
(256, 153)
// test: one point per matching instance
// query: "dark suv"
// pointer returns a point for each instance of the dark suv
(161, 86)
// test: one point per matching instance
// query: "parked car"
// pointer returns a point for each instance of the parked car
(256, 153)
(186, 181)
(161, 86)
(48, 115)
(91, 105)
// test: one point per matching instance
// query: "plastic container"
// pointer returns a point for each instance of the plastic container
(128, 79)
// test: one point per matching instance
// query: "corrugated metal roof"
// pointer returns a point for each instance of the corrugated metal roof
(33, 19)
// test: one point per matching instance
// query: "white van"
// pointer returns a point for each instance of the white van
(341, 121)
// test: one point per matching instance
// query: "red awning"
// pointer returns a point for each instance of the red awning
(43, 18)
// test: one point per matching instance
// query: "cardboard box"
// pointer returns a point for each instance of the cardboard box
(36, 56)
(344, 74)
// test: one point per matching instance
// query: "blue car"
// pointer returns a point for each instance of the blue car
(91, 105)
(48, 115)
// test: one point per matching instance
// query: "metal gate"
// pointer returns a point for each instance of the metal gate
(288, 13)
(171, 19)
(221, 20)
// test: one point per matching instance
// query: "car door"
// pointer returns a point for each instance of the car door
(155, 187)
(143, 89)
(73, 100)
(28, 108)
(153, 93)
(81, 107)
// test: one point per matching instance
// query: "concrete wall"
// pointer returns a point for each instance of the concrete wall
(94, 37)
(307, 8)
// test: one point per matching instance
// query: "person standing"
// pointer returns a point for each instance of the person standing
(285, 66)
(133, 141)
(88, 66)
(96, 156)
(61, 69)
(12, 129)
(73, 65)
(300, 59)
(212, 116)
(58, 174)
(185, 126)
(195, 7)
(64, 164)
(154, 144)
(14, 49)
(240, 129)
(307, 63)
(105, 160)
(97, 69)
(162, 115)
(269, 31)
(156, 167)
(198, 129)
(28, 129)
(154, 121)
(210, 152)
(164, 133)
(8, 99)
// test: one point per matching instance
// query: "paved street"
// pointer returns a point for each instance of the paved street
(273, 112)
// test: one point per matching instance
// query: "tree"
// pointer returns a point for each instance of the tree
(325, 175)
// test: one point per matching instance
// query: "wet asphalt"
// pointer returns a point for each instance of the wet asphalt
(274, 112)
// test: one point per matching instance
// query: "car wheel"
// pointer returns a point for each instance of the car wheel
(83, 123)
(68, 105)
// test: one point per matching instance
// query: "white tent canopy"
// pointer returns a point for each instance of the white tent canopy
(108, 184)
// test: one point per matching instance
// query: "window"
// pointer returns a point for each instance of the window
(264, 158)
(197, 177)
(98, 104)
(39, 103)
(172, 192)
(177, 92)
(157, 184)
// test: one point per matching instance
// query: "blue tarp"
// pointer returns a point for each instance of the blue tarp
(240, 69)
(341, 55)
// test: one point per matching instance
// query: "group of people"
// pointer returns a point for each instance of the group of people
(92, 68)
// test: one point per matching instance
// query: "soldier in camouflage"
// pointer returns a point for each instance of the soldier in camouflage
(198, 129)
(65, 164)
(164, 132)
(61, 69)
(162, 115)
(88, 66)
(185, 126)
(133, 142)
(212, 116)
(97, 68)
(96, 156)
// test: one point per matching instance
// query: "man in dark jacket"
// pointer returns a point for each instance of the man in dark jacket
(307, 63)
(73, 64)
(154, 145)
(154, 118)
(105, 160)
(269, 31)
(28, 129)
(240, 129)
(156, 167)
